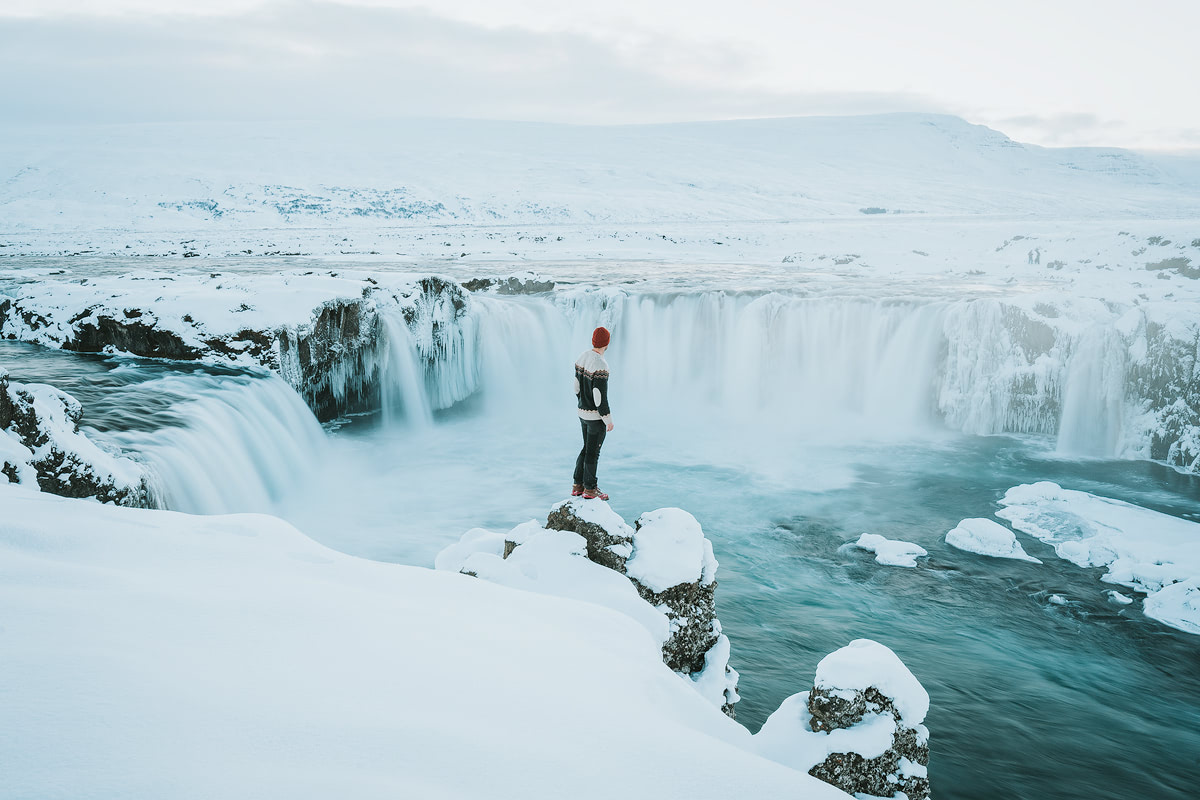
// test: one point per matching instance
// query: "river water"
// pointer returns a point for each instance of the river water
(788, 429)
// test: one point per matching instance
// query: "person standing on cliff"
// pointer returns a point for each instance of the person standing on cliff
(591, 391)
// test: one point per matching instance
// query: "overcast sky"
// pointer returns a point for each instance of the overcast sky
(1053, 72)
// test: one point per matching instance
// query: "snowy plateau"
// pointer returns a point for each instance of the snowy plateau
(316, 354)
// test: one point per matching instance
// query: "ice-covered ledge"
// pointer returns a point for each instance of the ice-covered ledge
(145, 646)
(324, 331)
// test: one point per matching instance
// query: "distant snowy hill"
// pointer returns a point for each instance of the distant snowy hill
(234, 177)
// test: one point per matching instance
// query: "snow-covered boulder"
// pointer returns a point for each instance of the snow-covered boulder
(859, 728)
(674, 569)
(41, 447)
(987, 538)
(663, 574)
(891, 552)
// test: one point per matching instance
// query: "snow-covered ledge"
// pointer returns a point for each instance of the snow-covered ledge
(325, 331)
(156, 654)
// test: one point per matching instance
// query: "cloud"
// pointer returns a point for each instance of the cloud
(319, 60)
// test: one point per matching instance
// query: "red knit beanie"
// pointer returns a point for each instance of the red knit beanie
(600, 337)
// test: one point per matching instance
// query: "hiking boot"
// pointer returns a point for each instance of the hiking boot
(577, 490)
(594, 494)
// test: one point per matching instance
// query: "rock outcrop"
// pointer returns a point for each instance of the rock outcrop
(859, 727)
(609, 539)
(662, 573)
(40, 445)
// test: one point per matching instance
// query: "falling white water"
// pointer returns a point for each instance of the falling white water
(1093, 404)
(404, 396)
(718, 359)
(230, 444)
(847, 368)
(753, 379)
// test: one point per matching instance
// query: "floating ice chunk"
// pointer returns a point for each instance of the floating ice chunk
(1177, 605)
(1118, 598)
(670, 549)
(1057, 600)
(987, 538)
(1142, 549)
(891, 552)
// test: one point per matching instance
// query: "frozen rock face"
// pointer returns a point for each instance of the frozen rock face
(40, 445)
(661, 573)
(859, 728)
(1167, 376)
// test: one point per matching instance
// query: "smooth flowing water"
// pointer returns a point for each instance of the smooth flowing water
(787, 427)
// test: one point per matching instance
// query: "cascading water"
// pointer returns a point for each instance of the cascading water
(1094, 396)
(224, 444)
(846, 367)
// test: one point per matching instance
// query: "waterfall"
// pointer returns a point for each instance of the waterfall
(842, 367)
(224, 444)
(1093, 407)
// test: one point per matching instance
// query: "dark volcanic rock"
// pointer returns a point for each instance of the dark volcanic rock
(129, 335)
(692, 610)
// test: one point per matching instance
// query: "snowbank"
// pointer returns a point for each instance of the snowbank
(987, 538)
(1142, 549)
(891, 552)
(155, 654)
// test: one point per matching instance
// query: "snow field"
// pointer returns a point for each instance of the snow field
(152, 654)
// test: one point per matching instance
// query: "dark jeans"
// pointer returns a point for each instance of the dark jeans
(585, 465)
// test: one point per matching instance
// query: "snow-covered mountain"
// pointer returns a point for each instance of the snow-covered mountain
(224, 177)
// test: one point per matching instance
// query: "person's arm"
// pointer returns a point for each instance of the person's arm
(600, 397)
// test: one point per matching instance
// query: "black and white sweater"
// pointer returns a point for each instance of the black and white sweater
(591, 386)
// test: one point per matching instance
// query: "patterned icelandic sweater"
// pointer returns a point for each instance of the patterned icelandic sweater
(591, 386)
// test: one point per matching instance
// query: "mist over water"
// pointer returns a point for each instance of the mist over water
(788, 426)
